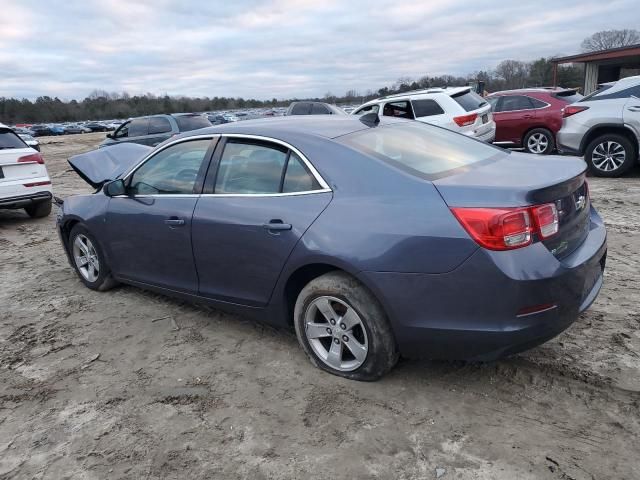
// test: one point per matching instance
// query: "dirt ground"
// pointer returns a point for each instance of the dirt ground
(127, 384)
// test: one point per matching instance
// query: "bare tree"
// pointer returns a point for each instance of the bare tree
(514, 73)
(610, 39)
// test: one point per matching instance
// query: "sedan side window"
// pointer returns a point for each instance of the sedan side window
(398, 109)
(367, 109)
(123, 131)
(159, 125)
(139, 127)
(173, 170)
(250, 168)
(493, 102)
(297, 178)
(515, 102)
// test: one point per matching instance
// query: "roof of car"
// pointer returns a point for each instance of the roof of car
(533, 90)
(328, 126)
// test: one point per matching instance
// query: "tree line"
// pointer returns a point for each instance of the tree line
(102, 105)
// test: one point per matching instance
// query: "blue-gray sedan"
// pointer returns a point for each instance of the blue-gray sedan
(372, 239)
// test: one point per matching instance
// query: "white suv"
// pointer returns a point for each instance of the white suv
(24, 181)
(456, 108)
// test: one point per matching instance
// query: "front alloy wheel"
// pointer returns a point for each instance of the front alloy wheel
(86, 258)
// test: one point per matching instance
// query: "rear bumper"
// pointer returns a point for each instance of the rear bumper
(568, 142)
(471, 313)
(22, 201)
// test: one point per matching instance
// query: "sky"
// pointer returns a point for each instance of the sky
(278, 48)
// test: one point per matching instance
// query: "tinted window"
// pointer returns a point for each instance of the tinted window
(297, 178)
(601, 89)
(123, 131)
(626, 93)
(469, 100)
(493, 102)
(187, 123)
(426, 108)
(515, 102)
(138, 127)
(159, 125)
(367, 109)
(420, 149)
(171, 171)
(537, 103)
(400, 109)
(300, 109)
(250, 168)
(319, 109)
(10, 140)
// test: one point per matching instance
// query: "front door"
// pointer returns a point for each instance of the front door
(264, 198)
(150, 227)
(514, 116)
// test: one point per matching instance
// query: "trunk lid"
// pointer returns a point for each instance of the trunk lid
(520, 180)
(99, 166)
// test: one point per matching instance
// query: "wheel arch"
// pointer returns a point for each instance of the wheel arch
(608, 128)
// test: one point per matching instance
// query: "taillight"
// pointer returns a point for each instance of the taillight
(508, 228)
(33, 158)
(496, 228)
(464, 120)
(572, 110)
(546, 218)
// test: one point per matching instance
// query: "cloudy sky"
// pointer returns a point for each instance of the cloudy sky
(278, 48)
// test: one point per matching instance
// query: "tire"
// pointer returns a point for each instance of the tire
(610, 155)
(368, 328)
(540, 141)
(101, 281)
(39, 209)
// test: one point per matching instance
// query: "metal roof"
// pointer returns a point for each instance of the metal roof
(612, 53)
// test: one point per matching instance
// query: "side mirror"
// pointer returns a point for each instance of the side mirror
(114, 188)
(109, 135)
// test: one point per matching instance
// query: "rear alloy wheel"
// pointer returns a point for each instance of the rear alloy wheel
(39, 209)
(610, 155)
(343, 329)
(89, 261)
(540, 141)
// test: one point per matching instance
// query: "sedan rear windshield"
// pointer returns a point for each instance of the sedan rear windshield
(8, 139)
(423, 150)
(469, 100)
(191, 122)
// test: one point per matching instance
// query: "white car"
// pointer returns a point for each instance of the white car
(457, 108)
(24, 181)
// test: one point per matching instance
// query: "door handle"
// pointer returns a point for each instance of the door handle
(634, 108)
(276, 226)
(526, 116)
(174, 221)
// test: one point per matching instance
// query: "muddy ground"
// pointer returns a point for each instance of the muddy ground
(127, 384)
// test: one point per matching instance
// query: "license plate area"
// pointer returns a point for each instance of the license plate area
(485, 118)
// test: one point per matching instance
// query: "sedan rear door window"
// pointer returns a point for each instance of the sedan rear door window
(172, 171)
(250, 168)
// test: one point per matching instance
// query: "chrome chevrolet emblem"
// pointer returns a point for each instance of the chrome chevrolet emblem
(581, 202)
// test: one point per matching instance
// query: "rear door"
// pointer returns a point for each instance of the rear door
(513, 117)
(260, 200)
(149, 228)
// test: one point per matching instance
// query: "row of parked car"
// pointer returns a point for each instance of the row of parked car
(604, 126)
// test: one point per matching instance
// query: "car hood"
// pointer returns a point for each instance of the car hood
(99, 166)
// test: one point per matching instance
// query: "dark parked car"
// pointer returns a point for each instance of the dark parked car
(42, 130)
(530, 117)
(156, 129)
(370, 239)
(217, 119)
(96, 127)
(314, 108)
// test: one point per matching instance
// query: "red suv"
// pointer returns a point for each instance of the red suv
(530, 117)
